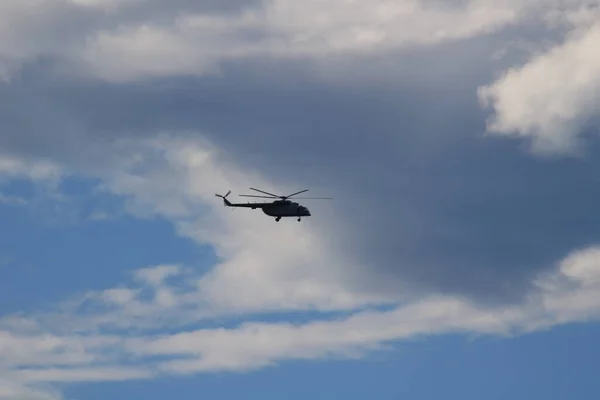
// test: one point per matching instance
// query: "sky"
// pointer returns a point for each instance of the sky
(459, 257)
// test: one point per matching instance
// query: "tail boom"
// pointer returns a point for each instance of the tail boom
(230, 204)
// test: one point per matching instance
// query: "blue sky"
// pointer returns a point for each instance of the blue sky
(460, 256)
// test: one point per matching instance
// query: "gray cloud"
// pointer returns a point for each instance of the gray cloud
(158, 7)
(422, 196)
(425, 203)
(423, 199)
(60, 30)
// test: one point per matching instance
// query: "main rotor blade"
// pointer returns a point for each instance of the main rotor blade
(293, 194)
(262, 197)
(262, 191)
(314, 198)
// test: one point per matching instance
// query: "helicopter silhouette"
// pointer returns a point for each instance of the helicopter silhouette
(278, 208)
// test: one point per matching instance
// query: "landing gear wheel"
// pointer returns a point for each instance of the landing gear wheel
(277, 219)
(299, 219)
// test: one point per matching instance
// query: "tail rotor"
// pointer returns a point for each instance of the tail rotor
(225, 201)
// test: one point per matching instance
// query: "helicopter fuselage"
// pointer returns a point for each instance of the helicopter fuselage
(277, 209)
(284, 209)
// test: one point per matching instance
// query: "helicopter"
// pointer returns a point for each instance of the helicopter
(278, 208)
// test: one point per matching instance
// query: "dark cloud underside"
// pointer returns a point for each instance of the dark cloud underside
(422, 195)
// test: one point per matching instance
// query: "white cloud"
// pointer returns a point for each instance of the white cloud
(549, 99)
(13, 390)
(43, 349)
(196, 44)
(119, 295)
(263, 267)
(325, 26)
(553, 96)
(127, 40)
(12, 200)
(81, 374)
(16, 167)
(568, 294)
(156, 275)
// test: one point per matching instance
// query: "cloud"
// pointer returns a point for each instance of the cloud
(553, 97)
(284, 28)
(82, 374)
(11, 390)
(428, 221)
(258, 260)
(145, 38)
(12, 200)
(156, 275)
(261, 266)
(411, 139)
(567, 294)
(415, 144)
(40, 170)
(61, 29)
